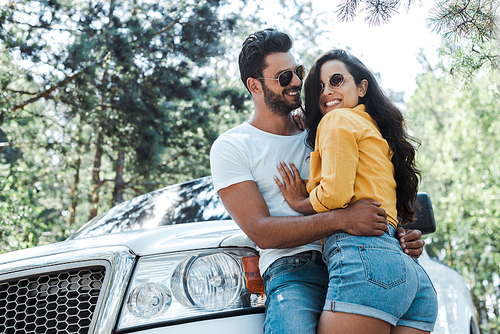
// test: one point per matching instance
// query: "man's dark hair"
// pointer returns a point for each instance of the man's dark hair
(255, 49)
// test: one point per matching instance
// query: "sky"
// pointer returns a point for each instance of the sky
(390, 49)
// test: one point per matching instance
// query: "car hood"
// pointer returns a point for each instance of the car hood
(159, 240)
(450, 287)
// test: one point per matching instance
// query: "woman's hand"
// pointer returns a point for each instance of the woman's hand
(293, 188)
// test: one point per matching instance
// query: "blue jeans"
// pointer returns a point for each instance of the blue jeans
(295, 288)
(372, 276)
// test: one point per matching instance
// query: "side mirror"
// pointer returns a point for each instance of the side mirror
(424, 217)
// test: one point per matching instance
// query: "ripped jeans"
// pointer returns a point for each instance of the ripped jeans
(295, 288)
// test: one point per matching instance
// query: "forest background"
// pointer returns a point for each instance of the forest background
(101, 101)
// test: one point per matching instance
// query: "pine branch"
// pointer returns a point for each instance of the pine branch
(381, 11)
(44, 26)
(167, 27)
(465, 19)
(173, 23)
(20, 92)
(346, 11)
(45, 94)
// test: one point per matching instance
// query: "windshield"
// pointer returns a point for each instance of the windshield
(187, 202)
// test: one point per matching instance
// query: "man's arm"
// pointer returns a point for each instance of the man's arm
(293, 190)
(249, 210)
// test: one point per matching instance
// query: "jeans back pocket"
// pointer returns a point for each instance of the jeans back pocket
(383, 266)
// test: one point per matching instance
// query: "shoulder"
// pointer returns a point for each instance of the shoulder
(242, 129)
(234, 135)
(341, 117)
(343, 122)
(242, 139)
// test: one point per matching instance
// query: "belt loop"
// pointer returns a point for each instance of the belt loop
(392, 231)
(317, 257)
(313, 256)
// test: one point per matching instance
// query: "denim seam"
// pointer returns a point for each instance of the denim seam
(426, 274)
(378, 282)
(306, 265)
(341, 271)
(392, 241)
(343, 235)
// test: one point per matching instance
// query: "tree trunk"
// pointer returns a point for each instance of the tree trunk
(119, 184)
(96, 179)
(76, 182)
(74, 194)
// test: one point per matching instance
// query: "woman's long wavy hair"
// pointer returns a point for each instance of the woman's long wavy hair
(388, 117)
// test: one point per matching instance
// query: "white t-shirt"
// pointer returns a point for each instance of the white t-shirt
(246, 153)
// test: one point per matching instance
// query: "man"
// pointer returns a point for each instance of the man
(244, 161)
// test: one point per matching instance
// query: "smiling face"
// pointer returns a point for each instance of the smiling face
(281, 100)
(345, 96)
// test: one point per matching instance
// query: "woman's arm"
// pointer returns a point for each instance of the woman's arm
(293, 188)
(247, 207)
(334, 164)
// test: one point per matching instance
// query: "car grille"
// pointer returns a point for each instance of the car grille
(57, 302)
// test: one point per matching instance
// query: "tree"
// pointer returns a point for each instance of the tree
(460, 134)
(117, 77)
(24, 217)
(469, 26)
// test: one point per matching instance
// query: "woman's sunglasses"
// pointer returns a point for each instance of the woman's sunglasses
(285, 77)
(335, 81)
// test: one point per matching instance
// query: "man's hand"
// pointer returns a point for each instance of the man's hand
(411, 241)
(298, 117)
(365, 218)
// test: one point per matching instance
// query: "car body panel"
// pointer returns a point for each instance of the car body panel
(456, 310)
(244, 324)
(144, 242)
(189, 217)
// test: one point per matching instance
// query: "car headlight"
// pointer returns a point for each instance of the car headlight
(186, 285)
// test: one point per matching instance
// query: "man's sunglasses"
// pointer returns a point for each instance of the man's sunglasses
(335, 81)
(285, 77)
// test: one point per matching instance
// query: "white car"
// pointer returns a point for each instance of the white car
(169, 261)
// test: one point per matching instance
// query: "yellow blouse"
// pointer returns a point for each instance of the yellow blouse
(351, 161)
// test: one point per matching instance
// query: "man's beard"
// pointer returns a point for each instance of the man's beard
(277, 103)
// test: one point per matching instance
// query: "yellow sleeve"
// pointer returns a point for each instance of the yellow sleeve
(338, 147)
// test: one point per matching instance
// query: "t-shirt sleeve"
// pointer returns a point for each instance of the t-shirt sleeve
(229, 163)
(339, 160)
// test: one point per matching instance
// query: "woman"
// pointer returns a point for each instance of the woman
(361, 150)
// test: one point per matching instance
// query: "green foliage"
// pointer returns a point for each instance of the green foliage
(469, 58)
(470, 28)
(474, 20)
(120, 98)
(25, 220)
(117, 98)
(460, 134)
